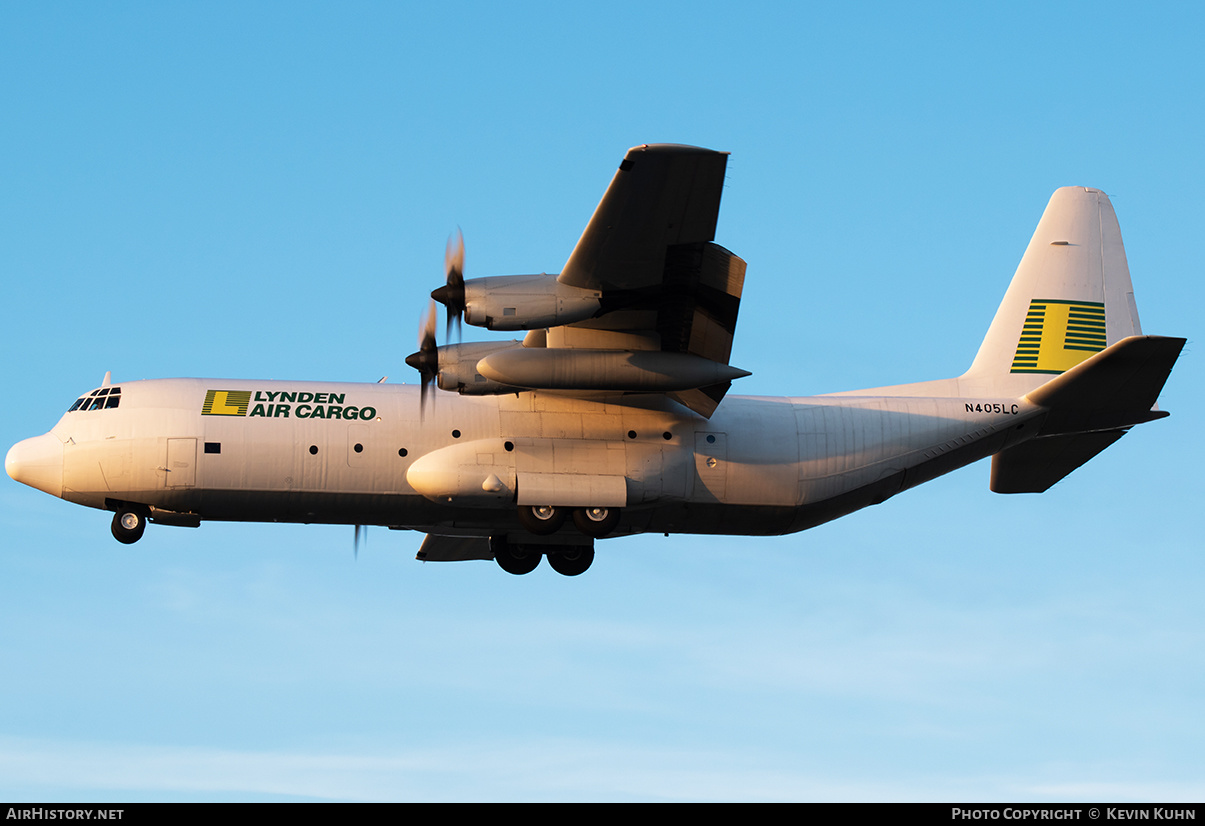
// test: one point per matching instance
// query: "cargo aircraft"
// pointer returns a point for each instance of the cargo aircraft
(611, 416)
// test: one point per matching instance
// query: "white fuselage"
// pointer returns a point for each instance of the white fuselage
(344, 453)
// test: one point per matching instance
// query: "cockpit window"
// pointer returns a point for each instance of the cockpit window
(104, 398)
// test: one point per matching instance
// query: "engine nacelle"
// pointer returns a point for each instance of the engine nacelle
(458, 368)
(526, 302)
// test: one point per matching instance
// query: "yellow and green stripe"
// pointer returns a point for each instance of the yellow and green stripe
(1057, 335)
(226, 403)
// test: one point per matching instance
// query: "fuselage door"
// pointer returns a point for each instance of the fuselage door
(181, 463)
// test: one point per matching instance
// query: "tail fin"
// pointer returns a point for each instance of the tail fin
(1067, 337)
(1070, 298)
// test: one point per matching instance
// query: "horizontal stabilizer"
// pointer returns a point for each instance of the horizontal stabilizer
(1033, 466)
(1115, 388)
(1091, 407)
(437, 548)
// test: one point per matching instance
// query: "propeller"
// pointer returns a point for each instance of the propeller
(451, 294)
(361, 534)
(426, 360)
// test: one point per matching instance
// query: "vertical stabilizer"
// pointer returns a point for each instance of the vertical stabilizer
(1070, 298)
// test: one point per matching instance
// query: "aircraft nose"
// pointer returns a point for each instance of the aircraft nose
(37, 462)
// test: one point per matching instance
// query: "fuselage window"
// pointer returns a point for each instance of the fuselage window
(112, 401)
(77, 404)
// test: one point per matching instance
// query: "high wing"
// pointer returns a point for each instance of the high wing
(662, 196)
(649, 248)
(646, 303)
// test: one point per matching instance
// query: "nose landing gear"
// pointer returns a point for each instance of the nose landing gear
(128, 523)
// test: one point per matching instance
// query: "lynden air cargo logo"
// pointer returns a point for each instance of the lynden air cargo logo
(1057, 335)
(283, 404)
(226, 403)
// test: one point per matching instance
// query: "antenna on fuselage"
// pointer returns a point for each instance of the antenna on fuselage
(108, 379)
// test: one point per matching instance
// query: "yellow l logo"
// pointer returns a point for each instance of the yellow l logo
(226, 403)
(1057, 335)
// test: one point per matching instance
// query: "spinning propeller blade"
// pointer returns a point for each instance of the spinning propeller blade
(451, 294)
(426, 360)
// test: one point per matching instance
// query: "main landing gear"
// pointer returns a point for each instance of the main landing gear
(596, 522)
(523, 558)
(569, 559)
(545, 520)
(515, 559)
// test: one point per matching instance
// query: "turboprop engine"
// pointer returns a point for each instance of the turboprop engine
(519, 302)
(457, 370)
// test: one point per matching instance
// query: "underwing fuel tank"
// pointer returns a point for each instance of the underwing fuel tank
(632, 371)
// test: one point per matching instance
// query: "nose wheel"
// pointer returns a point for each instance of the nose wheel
(128, 524)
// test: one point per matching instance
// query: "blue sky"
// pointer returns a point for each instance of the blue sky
(265, 191)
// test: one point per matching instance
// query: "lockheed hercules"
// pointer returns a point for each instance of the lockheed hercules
(611, 416)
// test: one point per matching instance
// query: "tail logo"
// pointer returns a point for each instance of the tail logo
(1057, 335)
